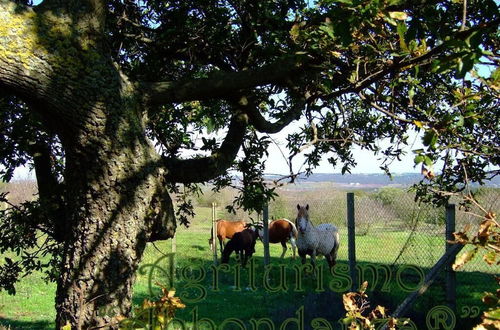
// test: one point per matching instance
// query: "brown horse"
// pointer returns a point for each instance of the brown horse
(280, 231)
(226, 229)
(243, 243)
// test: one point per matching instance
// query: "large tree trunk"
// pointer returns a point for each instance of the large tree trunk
(114, 198)
(115, 195)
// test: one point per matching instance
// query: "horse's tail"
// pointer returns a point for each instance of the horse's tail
(336, 245)
(211, 239)
(294, 233)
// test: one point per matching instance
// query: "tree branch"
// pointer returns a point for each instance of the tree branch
(221, 84)
(90, 14)
(400, 66)
(49, 189)
(262, 124)
(207, 168)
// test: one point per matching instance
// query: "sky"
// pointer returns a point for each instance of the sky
(366, 161)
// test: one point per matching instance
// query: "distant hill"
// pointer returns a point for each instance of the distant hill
(368, 180)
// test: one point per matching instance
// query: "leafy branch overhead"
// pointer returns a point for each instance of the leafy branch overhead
(360, 71)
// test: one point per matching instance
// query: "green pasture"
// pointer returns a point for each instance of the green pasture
(233, 295)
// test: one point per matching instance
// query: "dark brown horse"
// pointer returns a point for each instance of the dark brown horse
(226, 229)
(243, 243)
(281, 231)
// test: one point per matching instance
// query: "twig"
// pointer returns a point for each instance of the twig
(379, 108)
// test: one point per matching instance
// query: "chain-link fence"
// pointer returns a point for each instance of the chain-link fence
(391, 230)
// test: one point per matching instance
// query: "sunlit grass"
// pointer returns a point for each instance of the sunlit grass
(33, 306)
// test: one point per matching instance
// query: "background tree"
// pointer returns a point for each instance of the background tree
(88, 85)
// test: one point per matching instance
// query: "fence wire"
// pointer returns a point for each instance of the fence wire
(391, 229)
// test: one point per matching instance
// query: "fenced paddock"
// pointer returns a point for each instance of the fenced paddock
(392, 231)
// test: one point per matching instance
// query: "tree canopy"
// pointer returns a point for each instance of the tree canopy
(94, 81)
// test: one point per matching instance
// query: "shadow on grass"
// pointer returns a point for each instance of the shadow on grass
(6, 323)
(199, 247)
(234, 295)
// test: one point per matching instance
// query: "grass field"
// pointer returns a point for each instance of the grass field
(218, 300)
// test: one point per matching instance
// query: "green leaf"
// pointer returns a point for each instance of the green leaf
(210, 125)
(398, 15)
(328, 29)
(401, 32)
(490, 257)
(428, 161)
(411, 94)
(474, 39)
(418, 123)
(394, 2)
(430, 138)
(418, 159)
(465, 64)
(67, 326)
(295, 31)
(464, 258)
(495, 76)
(493, 314)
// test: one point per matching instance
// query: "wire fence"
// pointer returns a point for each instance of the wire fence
(391, 229)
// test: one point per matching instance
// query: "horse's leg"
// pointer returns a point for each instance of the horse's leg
(332, 257)
(292, 243)
(242, 258)
(313, 262)
(283, 244)
(330, 260)
(221, 243)
(302, 256)
(245, 258)
(335, 249)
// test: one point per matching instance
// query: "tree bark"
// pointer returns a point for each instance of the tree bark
(114, 190)
(116, 195)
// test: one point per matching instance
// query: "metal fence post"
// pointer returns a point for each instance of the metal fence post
(265, 222)
(451, 279)
(351, 240)
(214, 233)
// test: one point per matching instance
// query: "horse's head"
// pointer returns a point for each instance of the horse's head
(302, 220)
